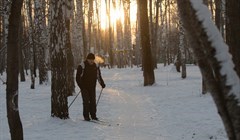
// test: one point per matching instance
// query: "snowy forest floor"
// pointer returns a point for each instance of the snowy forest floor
(172, 109)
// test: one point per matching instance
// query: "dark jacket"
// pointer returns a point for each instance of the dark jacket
(87, 77)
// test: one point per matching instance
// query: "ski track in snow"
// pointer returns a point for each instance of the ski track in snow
(172, 109)
(128, 112)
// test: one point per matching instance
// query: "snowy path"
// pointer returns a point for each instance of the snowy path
(173, 109)
(128, 114)
(166, 111)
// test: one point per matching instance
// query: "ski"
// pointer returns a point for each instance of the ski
(99, 122)
(103, 122)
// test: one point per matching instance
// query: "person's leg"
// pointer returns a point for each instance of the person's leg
(86, 107)
(93, 108)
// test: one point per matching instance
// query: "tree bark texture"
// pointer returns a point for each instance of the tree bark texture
(14, 120)
(148, 72)
(58, 44)
(226, 102)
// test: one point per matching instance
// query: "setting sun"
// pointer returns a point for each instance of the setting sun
(116, 14)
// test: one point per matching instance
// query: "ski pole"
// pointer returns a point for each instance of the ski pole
(99, 96)
(74, 99)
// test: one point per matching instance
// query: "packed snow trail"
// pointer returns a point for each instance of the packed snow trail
(153, 112)
(129, 116)
(124, 111)
(172, 109)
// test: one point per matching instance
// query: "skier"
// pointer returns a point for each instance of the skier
(87, 75)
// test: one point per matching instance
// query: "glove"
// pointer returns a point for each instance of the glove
(103, 85)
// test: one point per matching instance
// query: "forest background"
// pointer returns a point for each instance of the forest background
(57, 35)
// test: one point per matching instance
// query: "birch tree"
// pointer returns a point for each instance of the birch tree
(40, 30)
(59, 43)
(6, 4)
(182, 50)
(40, 45)
(78, 34)
(215, 63)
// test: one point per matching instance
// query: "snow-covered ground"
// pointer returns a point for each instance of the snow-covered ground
(172, 109)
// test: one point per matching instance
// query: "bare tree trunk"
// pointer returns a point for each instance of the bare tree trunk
(90, 18)
(225, 95)
(152, 33)
(84, 38)
(161, 35)
(127, 32)
(6, 4)
(233, 30)
(78, 34)
(148, 72)
(40, 30)
(182, 50)
(98, 32)
(138, 46)
(218, 10)
(169, 31)
(120, 49)
(32, 46)
(156, 35)
(177, 61)
(204, 87)
(59, 88)
(20, 52)
(14, 120)
(70, 61)
(165, 44)
(111, 55)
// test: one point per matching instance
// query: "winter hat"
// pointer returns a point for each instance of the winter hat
(91, 56)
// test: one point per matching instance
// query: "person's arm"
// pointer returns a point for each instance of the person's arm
(78, 76)
(99, 78)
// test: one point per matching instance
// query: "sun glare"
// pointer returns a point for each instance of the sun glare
(116, 14)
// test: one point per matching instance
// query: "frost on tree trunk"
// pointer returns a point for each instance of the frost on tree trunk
(214, 62)
(14, 120)
(59, 43)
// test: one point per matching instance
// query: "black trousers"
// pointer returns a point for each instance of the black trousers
(89, 102)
